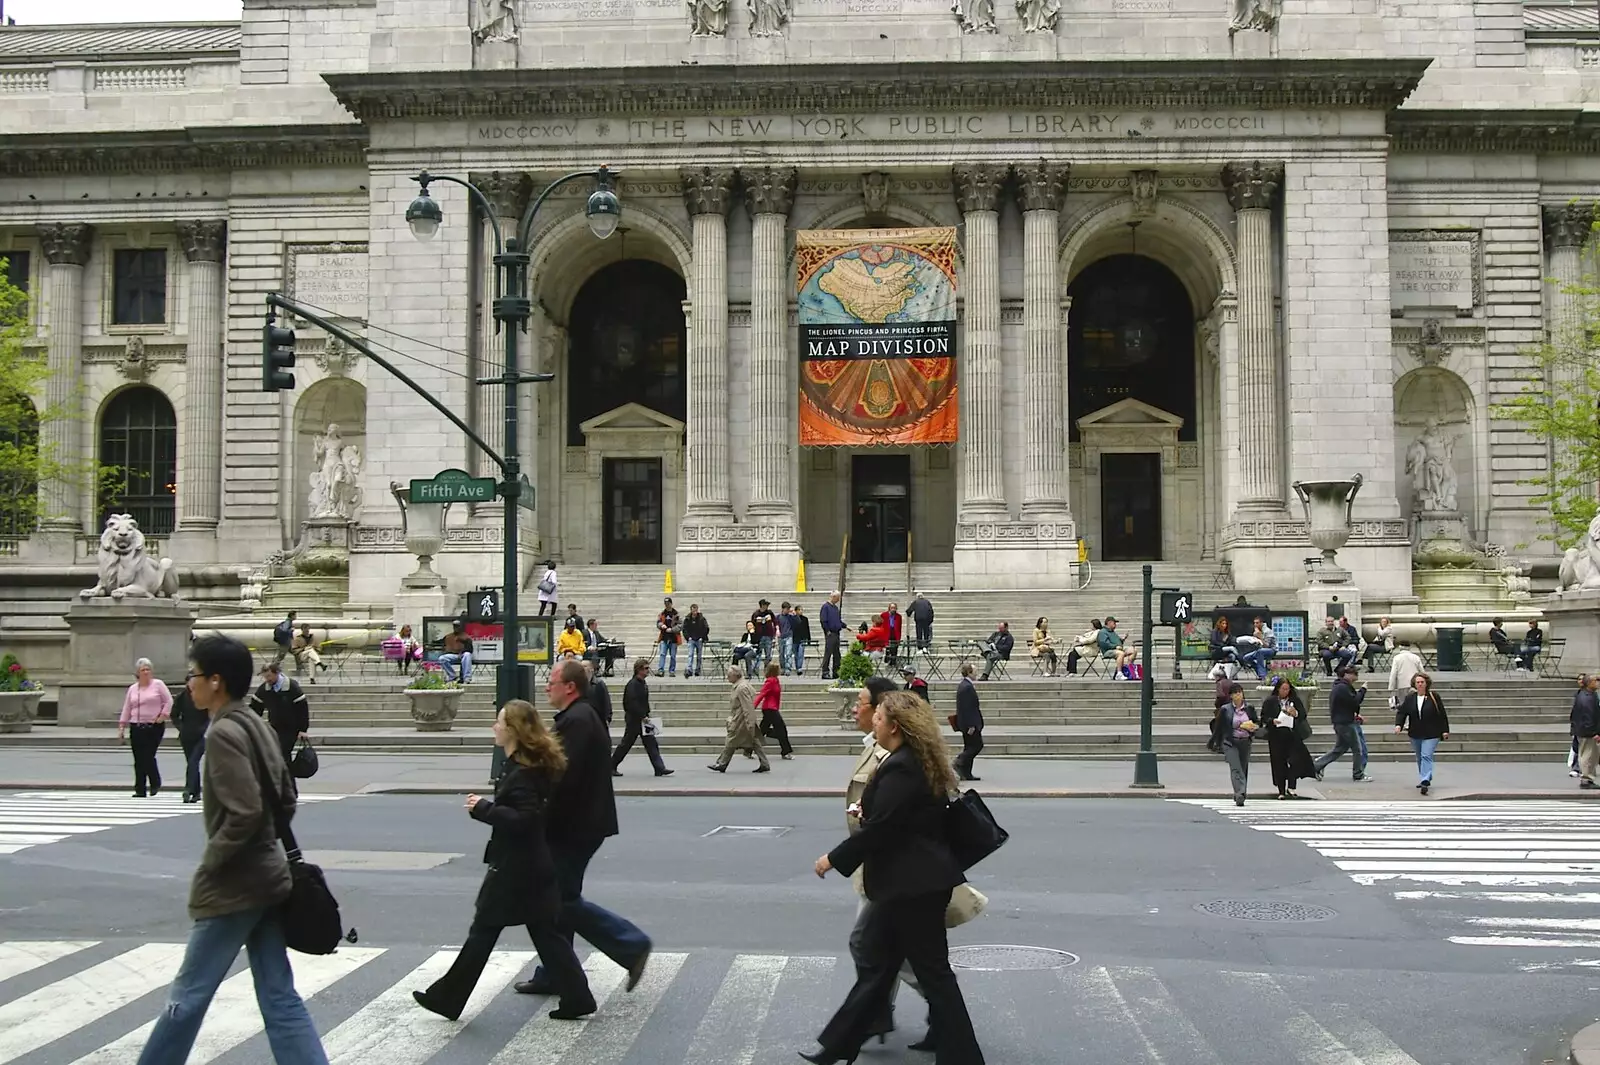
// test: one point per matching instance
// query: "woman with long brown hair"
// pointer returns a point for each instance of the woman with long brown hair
(520, 886)
(908, 873)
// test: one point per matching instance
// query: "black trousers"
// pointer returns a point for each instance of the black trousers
(1291, 762)
(971, 747)
(898, 931)
(145, 740)
(772, 725)
(924, 634)
(830, 654)
(634, 730)
(561, 967)
(194, 748)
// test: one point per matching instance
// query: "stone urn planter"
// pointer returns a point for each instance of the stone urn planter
(847, 703)
(18, 710)
(434, 710)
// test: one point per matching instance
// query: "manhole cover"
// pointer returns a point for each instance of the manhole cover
(1005, 959)
(749, 831)
(1253, 910)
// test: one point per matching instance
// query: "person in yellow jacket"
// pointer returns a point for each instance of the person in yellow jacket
(570, 642)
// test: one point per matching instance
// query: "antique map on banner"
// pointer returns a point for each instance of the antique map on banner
(877, 336)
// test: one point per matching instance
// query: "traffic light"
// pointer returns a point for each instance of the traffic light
(277, 357)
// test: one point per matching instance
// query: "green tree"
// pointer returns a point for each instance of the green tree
(1560, 403)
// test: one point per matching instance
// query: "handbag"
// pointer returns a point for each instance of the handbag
(953, 726)
(310, 915)
(971, 830)
(547, 586)
(651, 727)
(966, 904)
(304, 763)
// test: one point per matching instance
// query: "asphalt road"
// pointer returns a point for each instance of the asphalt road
(748, 941)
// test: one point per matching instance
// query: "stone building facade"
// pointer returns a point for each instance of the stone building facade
(1207, 250)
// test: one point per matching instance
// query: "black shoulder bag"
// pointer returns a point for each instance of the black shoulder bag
(310, 915)
(971, 830)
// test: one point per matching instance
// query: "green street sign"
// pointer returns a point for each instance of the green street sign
(453, 486)
(525, 499)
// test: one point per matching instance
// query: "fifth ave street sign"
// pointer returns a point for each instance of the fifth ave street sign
(453, 486)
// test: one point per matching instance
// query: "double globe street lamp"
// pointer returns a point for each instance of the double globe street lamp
(512, 309)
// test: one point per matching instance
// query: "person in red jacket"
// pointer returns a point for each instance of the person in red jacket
(877, 637)
(894, 626)
(770, 701)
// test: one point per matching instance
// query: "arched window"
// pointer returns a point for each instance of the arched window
(139, 440)
(19, 484)
(1131, 334)
(628, 343)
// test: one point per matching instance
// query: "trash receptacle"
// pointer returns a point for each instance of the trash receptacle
(1448, 659)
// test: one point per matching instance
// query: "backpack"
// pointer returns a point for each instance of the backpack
(283, 635)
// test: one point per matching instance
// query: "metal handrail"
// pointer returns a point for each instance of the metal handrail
(844, 556)
(908, 564)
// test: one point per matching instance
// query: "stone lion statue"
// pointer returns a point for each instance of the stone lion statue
(1580, 566)
(125, 570)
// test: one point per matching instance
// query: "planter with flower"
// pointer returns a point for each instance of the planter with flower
(434, 700)
(19, 696)
(855, 669)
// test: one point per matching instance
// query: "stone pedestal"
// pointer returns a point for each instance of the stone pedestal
(108, 636)
(411, 605)
(1315, 600)
(1574, 616)
(742, 557)
(1442, 541)
(1016, 554)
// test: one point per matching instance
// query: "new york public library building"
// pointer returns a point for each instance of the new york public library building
(1195, 250)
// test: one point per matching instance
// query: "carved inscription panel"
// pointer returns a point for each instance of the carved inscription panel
(329, 276)
(1434, 269)
(601, 10)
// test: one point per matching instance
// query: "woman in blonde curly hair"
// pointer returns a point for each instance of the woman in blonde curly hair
(909, 873)
(520, 886)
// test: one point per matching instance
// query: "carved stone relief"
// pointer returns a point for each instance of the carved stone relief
(1260, 15)
(1039, 16)
(974, 16)
(1144, 188)
(769, 17)
(875, 194)
(708, 18)
(495, 20)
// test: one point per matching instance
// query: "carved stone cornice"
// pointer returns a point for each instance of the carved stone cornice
(200, 148)
(1042, 186)
(833, 88)
(1252, 185)
(769, 190)
(204, 240)
(1448, 132)
(978, 186)
(1570, 224)
(65, 243)
(707, 189)
(507, 191)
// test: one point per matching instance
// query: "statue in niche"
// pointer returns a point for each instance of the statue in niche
(1430, 463)
(708, 18)
(768, 17)
(1260, 15)
(975, 16)
(335, 485)
(1039, 16)
(495, 20)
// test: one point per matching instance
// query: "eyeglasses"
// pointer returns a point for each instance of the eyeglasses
(193, 676)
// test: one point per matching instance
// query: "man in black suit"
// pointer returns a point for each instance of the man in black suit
(635, 712)
(969, 722)
(599, 694)
(583, 814)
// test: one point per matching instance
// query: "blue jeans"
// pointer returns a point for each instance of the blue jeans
(1424, 750)
(213, 944)
(693, 664)
(1258, 660)
(462, 664)
(785, 652)
(1361, 737)
(193, 751)
(799, 657)
(766, 650)
(668, 653)
(612, 935)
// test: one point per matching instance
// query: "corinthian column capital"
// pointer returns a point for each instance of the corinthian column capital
(66, 243)
(1041, 186)
(978, 186)
(707, 190)
(204, 240)
(1254, 184)
(770, 190)
(1569, 225)
(506, 190)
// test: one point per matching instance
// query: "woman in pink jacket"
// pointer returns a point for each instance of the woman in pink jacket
(145, 710)
(770, 701)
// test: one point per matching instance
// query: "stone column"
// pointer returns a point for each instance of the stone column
(708, 193)
(1041, 187)
(507, 192)
(205, 245)
(1567, 228)
(769, 193)
(66, 248)
(982, 485)
(1253, 189)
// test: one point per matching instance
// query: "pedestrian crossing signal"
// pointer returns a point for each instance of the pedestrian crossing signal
(1177, 608)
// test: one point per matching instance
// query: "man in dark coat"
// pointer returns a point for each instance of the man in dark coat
(635, 712)
(1344, 712)
(969, 722)
(921, 612)
(997, 648)
(1585, 726)
(599, 694)
(192, 723)
(282, 702)
(583, 815)
(832, 619)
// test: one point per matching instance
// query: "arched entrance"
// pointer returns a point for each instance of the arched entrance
(1131, 399)
(139, 442)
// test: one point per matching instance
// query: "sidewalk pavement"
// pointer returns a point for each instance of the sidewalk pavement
(350, 773)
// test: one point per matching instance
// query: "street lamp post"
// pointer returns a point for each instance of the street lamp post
(512, 309)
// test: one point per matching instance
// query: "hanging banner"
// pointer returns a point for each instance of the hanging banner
(877, 336)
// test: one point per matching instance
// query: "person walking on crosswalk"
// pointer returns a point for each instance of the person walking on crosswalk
(243, 875)
(146, 707)
(1421, 713)
(1236, 724)
(520, 886)
(192, 723)
(1344, 711)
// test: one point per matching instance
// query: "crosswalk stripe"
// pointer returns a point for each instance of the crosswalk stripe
(233, 1016)
(19, 958)
(545, 1040)
(36, 818)
(608, 1036)
(394, 1029)
(1096, 996)
(46, 1015)
(1581, 898)
(1152, 1009)
(732, 1026)
(1314, 1044)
